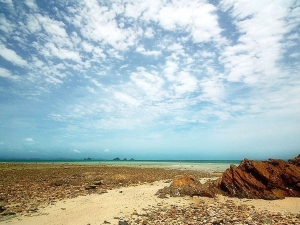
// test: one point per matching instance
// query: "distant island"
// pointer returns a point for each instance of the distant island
(125, 159)
(88, 159)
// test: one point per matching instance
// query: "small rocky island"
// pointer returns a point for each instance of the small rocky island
(125, 159)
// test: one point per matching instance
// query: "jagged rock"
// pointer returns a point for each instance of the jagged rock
(186, 185)
(272, 179)
(295, 161)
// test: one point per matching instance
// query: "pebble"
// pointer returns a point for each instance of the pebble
(213, 214)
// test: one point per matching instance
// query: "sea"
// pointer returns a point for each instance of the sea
(198, 165)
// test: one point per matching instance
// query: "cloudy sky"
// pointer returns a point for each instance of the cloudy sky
(159, 79)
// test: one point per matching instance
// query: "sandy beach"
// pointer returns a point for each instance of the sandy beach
(128, 198)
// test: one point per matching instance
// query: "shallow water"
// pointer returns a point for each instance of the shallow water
(198, 165)
(208, 166)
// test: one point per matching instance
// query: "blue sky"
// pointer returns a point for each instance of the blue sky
(150, 79)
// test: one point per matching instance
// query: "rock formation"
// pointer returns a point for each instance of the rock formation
(272, 179)
(187, 185)
(295, 161)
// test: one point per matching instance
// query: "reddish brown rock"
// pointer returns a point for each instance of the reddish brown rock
(272, 179)
(187, 185)
(295, 161)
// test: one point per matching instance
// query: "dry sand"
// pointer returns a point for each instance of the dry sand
(122, 203)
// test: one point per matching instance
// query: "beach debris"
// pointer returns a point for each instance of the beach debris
(187, 186)
(271, 179)
(123, 223)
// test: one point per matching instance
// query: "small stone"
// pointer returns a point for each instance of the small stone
(89, 187)
(97, 182)
(102, 192)
(8, 214)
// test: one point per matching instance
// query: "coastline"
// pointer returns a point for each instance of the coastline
(197, 165)
(68, 194)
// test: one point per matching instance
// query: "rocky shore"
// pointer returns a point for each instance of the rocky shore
(25, 188)
(84, 194)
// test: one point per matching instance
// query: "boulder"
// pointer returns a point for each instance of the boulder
(186, 185)
(272, 179)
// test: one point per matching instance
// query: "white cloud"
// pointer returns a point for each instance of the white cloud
(175, 47)
(149, 32)
(295, 55)
(8, 2)
(150, 84)
(91, 89)
(7, 74)
(28, 140)
(213, 89)
(76, 151)
(53, 80)
(31, 4)
(12, 56)
(33, 24)
(87, 46)
(185, 83)
(52, 27)
(63, 53)
(125, 98)
(142, 50)
(170, 68)
(99, 24)
(254, 58)
(5, 26)
(199, 19)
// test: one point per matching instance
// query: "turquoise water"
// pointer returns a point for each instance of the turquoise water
(199, 165)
